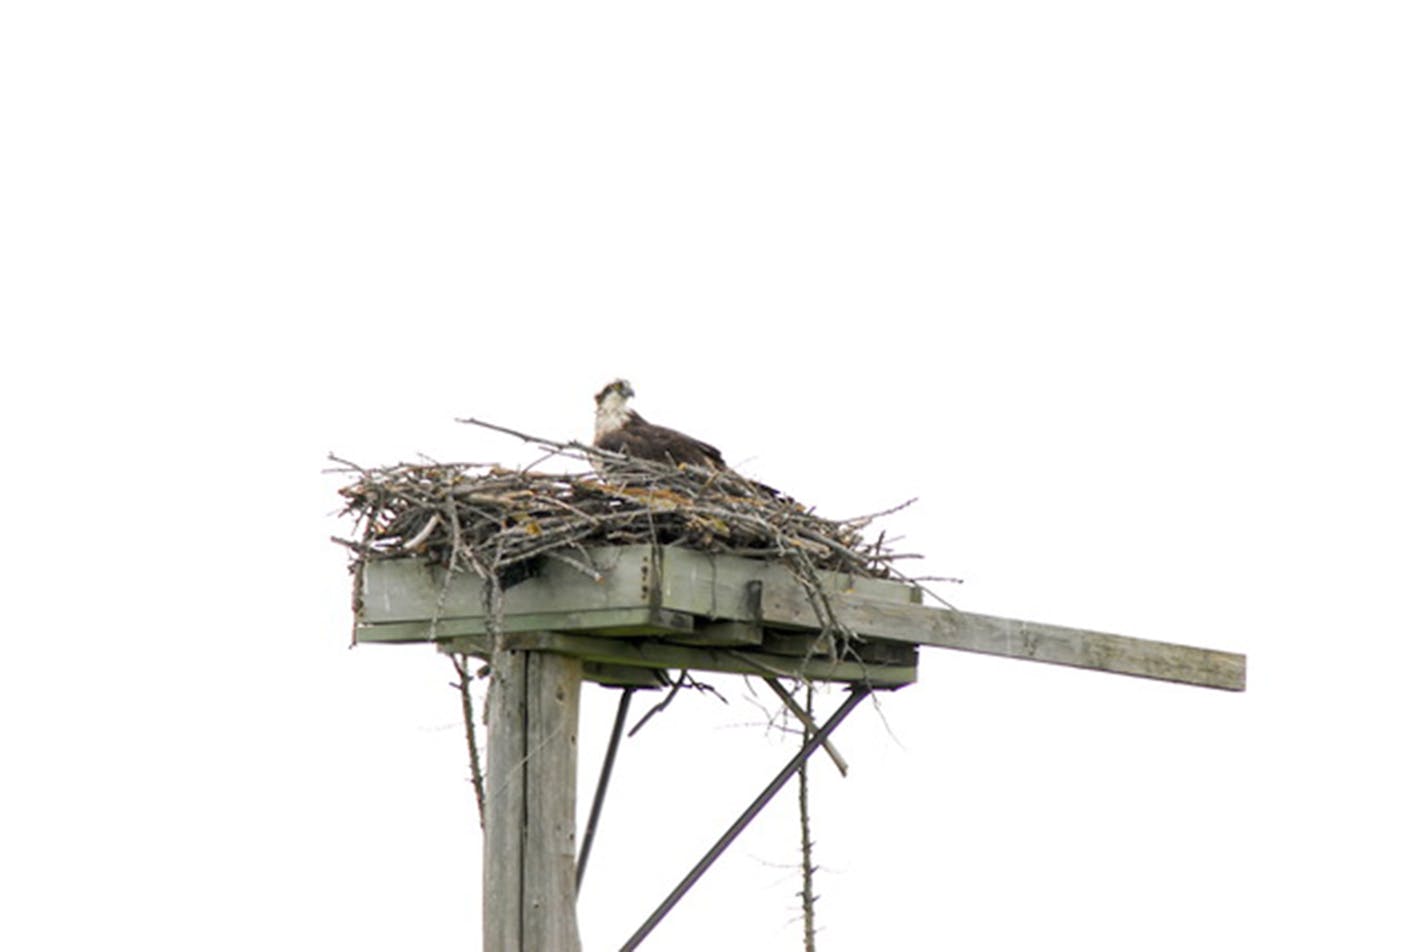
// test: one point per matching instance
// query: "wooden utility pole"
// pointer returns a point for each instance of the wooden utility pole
(530, 855)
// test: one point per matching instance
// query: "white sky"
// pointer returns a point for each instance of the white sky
(1122, 292)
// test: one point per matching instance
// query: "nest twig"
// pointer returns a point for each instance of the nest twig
(488, 519)
(495, 521)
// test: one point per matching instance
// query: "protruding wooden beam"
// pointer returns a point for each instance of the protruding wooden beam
(1115, 654)
(691, 589)
(1016, 638)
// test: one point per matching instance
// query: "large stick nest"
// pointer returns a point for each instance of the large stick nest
(492, 520)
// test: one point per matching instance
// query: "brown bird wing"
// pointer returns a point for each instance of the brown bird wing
(643, 440)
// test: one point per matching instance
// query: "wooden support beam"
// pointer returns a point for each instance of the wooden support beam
(609, 622)
(1016, 638)
(659, 654)
(1094, 650)
(623, 676)
(530, 854)
(732, 634)
(695, 596)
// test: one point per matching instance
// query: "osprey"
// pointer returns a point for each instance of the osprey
(619, 429)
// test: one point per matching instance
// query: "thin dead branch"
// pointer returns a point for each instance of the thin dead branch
(467, 706)
(803, 786)
(685, 680)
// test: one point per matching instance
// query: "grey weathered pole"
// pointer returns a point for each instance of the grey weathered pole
(530, 853)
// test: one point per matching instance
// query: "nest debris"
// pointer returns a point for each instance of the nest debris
(495, 521)
(489, 520)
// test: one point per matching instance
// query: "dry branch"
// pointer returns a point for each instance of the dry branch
(808, 869)
(467, 707)
(492, 521)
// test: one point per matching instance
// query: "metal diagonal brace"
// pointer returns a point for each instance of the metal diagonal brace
(857, 694)
(604, 775)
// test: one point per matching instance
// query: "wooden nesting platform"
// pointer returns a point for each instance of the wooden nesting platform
(631, 613)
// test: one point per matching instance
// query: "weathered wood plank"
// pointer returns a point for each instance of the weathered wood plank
(721, 634)
(551, 768)
(412, 589)
(707, 587)
(504, 810)
(1015, 638)
(805, 644)
(631, 576)
(624, 676)
(608, 622)
(1098, 651)
(716, 585)
(661, 654)
(530, 854)
(608, 675)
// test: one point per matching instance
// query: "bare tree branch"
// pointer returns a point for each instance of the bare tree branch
(808, 894)
(467, 706)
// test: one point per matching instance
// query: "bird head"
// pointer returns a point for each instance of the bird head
(615, 394)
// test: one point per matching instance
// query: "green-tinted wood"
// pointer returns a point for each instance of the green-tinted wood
(660, 654)
(724, 633)
(1116, 654)
(806, 644)
(721, 634)
(715, 588)
(1015, 638)
(412, 589)
(623, 676)
(610, 622)
(608, 675)
(716, 585)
